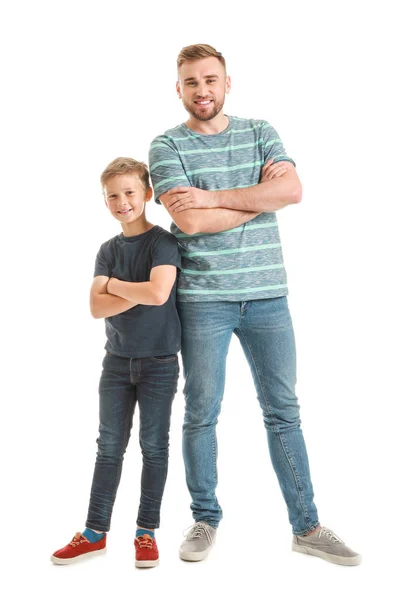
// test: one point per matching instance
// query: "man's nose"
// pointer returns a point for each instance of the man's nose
(202, 90)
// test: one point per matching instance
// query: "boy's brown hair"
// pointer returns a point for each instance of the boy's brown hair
(198, 51)
(126, 166)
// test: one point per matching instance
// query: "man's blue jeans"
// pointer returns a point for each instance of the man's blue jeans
(264, 329)
(151, 383)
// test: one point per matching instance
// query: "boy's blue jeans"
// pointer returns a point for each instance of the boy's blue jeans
(152, 383)
(264, 329)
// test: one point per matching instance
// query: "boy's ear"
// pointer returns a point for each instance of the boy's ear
(105, 199)
(148, 194)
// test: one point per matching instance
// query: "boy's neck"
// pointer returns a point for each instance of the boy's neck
(137, 227)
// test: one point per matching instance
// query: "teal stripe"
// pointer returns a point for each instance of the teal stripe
(225, 169)
(232, 271)
(157, 145)
(166, 162)
(245, 291)
(249, 128)
(209, 170)
(273, 141)
(235, 230)
(192, 134)
(226, 149)
(232, 251)
(179, 178)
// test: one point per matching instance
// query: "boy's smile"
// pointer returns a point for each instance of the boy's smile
(126, 197)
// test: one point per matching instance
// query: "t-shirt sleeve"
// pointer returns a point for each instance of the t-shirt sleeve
(166, 168)
(273, 146)
(102, 267)
(166, 251)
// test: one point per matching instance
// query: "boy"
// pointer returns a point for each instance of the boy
(134, 288)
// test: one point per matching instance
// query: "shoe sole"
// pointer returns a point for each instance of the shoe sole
(347, 561)
(69, 561)
(193, 556)
(146, 564)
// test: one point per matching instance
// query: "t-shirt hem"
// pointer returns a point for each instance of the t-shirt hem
(150, 354)
(233, 298)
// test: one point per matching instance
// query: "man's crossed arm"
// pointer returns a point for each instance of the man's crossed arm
(225, 209)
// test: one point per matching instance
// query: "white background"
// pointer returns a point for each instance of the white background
(86, 82)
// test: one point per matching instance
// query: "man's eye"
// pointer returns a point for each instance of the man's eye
(211, 80)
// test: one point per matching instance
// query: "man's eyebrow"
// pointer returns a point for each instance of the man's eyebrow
(205, 77)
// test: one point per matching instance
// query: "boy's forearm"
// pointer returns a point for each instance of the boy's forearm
(107, 305)
(146, 292)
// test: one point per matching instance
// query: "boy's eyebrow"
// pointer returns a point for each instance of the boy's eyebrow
(127, 189)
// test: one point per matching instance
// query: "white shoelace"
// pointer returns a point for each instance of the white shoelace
(324, 531)
(198, 531)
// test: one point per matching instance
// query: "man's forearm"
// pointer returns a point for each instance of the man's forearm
(212, 220)
(108, 305)
(267, 196)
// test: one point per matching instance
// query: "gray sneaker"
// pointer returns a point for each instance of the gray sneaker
(198, 542)
(325, 544)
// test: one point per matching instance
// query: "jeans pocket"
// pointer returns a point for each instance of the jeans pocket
(165, 359)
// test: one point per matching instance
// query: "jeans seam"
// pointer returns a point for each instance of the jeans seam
(280, 435)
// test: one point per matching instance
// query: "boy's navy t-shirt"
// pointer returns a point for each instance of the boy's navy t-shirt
(143, 330)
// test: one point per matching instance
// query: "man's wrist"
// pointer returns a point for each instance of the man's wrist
(217, 199)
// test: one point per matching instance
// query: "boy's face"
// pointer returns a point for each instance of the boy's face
(125, 197)
(202, 87)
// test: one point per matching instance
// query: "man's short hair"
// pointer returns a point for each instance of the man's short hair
(126, 166)
(198, 51)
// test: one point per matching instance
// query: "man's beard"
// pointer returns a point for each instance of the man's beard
(202, 116)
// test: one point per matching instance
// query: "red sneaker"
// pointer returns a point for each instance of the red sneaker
(78, 548)
(147, 554)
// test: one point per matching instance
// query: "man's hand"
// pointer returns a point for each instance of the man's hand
(185, 197)
(271, 170)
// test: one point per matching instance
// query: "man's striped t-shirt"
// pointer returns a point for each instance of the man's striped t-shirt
(244, 263)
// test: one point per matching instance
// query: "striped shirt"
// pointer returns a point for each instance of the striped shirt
(244, 263)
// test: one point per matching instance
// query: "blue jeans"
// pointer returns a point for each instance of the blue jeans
(264, 329)
(152, 383)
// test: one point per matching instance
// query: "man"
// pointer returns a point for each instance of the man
(222, 179)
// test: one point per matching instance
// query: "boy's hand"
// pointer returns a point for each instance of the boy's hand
(270, 170)
(111, 280)
(186, 197)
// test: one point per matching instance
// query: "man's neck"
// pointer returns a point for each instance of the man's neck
(137, 227)
(215, 125)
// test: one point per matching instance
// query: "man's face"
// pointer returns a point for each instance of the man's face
(125, 197)
(202, 87)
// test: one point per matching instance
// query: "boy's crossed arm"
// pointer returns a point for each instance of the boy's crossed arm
(102, 303)
(111, 296)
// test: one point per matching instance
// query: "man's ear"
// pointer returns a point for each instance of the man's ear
(178, 90)
(228, 84)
